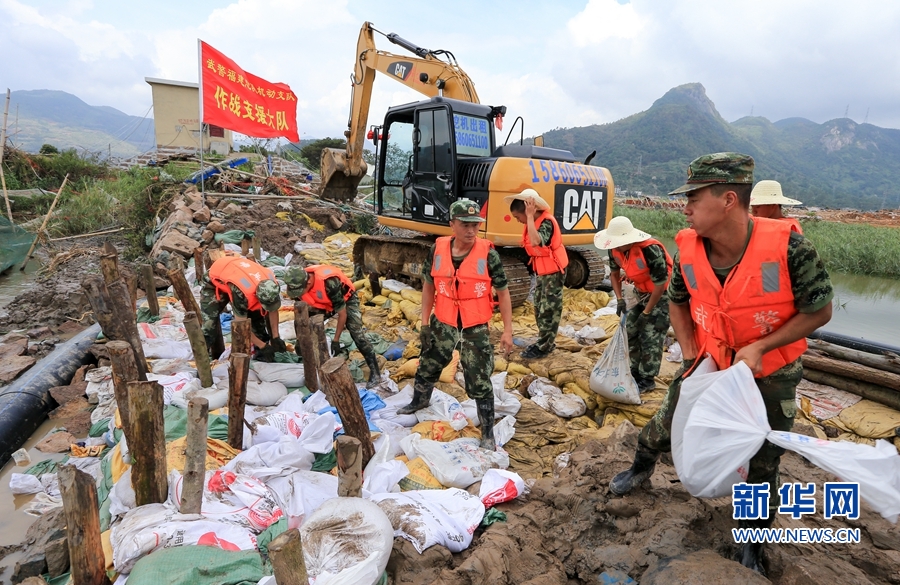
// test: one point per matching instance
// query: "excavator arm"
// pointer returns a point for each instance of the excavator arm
(427, 73)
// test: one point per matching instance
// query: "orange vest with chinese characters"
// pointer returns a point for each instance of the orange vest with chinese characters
(635, 265)
(316, 296)
(755, 301)
(463, 294)
(546, 259)
(242, 273)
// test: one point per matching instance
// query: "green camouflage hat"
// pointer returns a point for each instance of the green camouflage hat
(716, 169)
(295, 278)
(465, 210)
(269, 294)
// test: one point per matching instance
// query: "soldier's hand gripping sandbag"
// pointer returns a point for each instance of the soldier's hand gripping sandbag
(278, 345)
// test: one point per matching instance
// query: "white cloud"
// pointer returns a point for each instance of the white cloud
(602, 20)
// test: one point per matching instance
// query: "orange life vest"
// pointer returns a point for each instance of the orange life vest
(795, 225)
(242, 273)
(316, 296)
(548, 259)
(635, 265)
(465, 293)
(755, 301)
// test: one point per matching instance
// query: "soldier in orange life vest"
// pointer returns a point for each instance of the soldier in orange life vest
(742, 289)
(542, 240)
(327, 290)
(252, 291)
(647, 264)
(766, 200)
(458, 277)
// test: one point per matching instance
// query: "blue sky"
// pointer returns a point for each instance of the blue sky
(558, 64)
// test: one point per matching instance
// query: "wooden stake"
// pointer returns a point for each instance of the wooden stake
(198, 264)
(131, 280)
(349, 462)
(257, 249)
(241, 340)
(111, 310)
(195, 456)
(148, 454)
(317, 322)
(198, 346)
(183, 291)
(343, 394)
(238, 370)
(124, 312)
(124, 370)
(286, 554)
(82, 510)
(2, 148)
(245, 247)
(44, 223)
(150, 289)
(306, 348)
(109, 263)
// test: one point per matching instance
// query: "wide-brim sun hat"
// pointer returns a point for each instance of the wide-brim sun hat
(619, 233)
(528, 194)
(769, 193)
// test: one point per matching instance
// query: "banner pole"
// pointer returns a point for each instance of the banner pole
(200, 83)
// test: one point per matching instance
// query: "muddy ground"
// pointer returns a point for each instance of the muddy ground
(569, 529)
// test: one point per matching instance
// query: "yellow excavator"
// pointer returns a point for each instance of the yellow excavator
(431, 153)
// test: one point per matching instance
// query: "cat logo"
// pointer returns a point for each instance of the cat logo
(400, 69)
(580, 209)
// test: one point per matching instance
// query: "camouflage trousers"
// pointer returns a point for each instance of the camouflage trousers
(778, 392)
(548, 303)
(476, 356)
(354, 326)
(645, 343)
(211, 307)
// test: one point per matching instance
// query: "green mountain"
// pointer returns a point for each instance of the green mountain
(836, 164)
(46, 116)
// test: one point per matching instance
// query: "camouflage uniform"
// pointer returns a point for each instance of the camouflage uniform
(548, 298)
(335, 291)
(212, 307)
(476, 354)
(812, 290)
(645, 342)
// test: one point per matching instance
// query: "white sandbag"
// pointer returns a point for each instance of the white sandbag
(229, 497)
(301, 493)
(24, 483)
(429, 517)
(167, 349)
(265, 393)
(41, 503)
(122, 498)
(264, 460)
(168, 367)
(177, 383)
(500, 485)
(611, 376)
(458, 463)
(504, 402)
(347, 540)
(156, 526)
(723, 423)
(314, 431)
(567, 405)
(540, 390)
(443, 407)
(291, 375)
(391, 404)
(384, 477)
(505, 430)
(391, 433)
(216, 396)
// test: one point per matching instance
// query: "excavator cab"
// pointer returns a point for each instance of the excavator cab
(419, 155)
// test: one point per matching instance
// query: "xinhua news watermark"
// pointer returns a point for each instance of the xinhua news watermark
(751, 502)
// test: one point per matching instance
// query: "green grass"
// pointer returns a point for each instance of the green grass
(845, 248)
(660, 223)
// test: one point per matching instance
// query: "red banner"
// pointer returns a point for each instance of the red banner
(243, 102)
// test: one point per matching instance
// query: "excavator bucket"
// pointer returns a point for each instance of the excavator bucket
(339, 179)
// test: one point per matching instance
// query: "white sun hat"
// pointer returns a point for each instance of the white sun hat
(769, 193)
(527, 194)
(619, 233)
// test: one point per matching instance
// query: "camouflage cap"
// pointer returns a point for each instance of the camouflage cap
(465, 210)
(269, 294)
(295, 278)
(716, 169)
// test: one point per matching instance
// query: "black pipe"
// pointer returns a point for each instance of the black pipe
(24, 404)
(855, 343)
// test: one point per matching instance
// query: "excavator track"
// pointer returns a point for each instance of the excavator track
(587, 268)
(518, 277)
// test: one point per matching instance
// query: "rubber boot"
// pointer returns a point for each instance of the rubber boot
(421, 397)
(374, 373)
(642, 468)
(750, 554)
(486, 419)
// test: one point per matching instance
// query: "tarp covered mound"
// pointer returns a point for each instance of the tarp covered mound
(14, 243)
